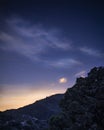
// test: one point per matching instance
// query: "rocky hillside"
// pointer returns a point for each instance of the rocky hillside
(31, 117)
(83, 104)
(81, 108)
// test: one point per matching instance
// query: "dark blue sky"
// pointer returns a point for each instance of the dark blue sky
(46, 45)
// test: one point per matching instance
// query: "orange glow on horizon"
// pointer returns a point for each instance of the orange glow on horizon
(16, 99)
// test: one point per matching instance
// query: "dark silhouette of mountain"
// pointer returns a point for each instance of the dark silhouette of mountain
(81, 108)
(83, 104)
(33, 116)
(41, 109)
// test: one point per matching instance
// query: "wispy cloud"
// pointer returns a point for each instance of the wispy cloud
(91, 52)
(31, 40)
(81, 74)
(64, 63)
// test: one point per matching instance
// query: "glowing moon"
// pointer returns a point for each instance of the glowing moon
(63, 80)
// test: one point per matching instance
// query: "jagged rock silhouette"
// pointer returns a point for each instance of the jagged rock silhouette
(82, 108)
(83, 104)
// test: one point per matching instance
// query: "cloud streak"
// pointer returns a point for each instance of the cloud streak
(81, 74)
(65, 63)
(91, 52)
(32, 36)
(33, 40)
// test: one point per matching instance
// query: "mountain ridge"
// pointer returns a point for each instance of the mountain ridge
(83, 104)
(32, 116)
(81, 108)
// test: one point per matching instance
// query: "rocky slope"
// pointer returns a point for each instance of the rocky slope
(31, 117)
(83, 104)
(82, 108)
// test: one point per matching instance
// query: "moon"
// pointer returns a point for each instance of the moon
(63, 80)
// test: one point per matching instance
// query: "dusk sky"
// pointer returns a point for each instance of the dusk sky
(44, 46)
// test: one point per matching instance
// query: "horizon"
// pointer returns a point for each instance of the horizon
(30, 102)
(44, 47)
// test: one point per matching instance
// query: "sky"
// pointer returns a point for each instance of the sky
(45, 46)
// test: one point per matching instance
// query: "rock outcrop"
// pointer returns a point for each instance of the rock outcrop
(83, 104)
